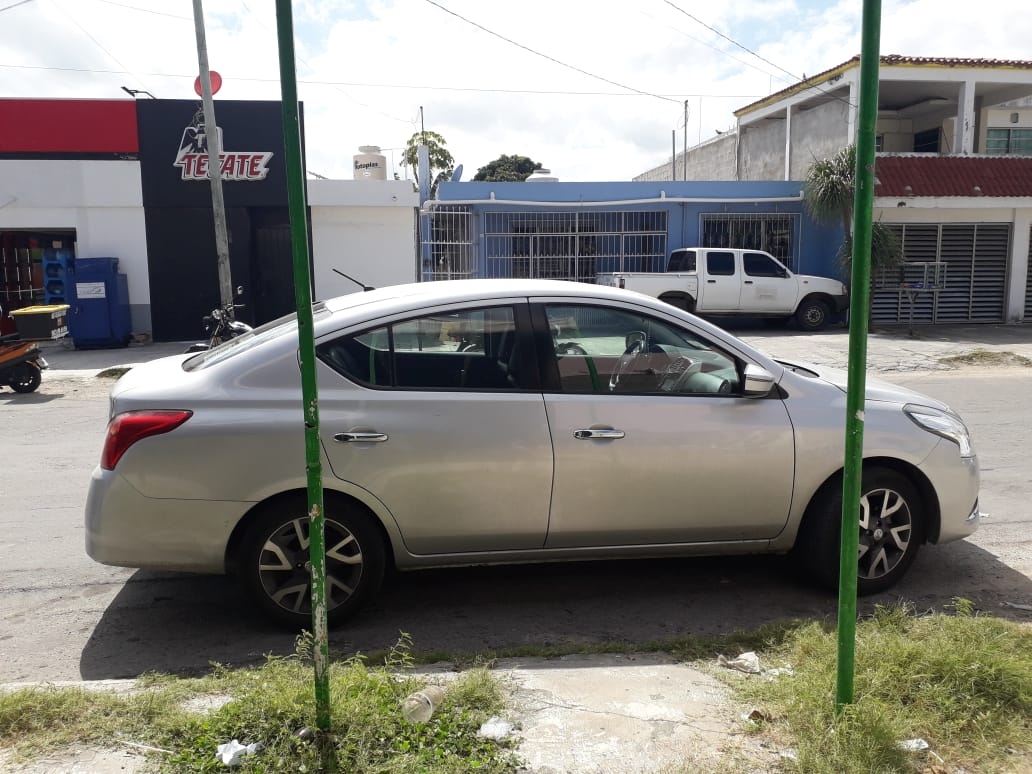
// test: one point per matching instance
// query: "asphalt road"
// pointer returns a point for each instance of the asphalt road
(63, 617)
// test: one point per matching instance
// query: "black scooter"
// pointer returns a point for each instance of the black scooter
(21, 363)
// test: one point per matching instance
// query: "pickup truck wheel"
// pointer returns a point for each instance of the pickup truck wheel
(812, 314)
(891, 523)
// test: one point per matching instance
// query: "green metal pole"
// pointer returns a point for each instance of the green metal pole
(298, 208)
(859, 303)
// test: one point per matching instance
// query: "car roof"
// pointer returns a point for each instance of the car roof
(449, 291)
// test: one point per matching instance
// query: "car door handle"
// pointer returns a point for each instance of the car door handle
(584, 435)
(747, 282)
(360, 437)
(711, 282)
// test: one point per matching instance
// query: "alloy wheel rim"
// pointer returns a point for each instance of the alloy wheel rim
(886, 528)
(284, 567)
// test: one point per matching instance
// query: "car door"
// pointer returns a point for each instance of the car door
(720, 286)
(767, 286)
(653, 442)
(439, 417)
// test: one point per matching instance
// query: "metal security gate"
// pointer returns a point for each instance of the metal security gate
(446, 246)
(573, 245)
(774, 233)
(974, 278)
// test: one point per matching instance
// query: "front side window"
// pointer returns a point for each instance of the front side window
(608, 350)
(760, 265)
(472, 349)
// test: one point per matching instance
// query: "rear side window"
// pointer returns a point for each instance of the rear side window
(473, 349)
(682, 260)
(720, 263)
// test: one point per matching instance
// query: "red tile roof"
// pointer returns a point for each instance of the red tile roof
(932, 175)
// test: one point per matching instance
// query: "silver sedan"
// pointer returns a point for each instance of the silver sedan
(501, 421)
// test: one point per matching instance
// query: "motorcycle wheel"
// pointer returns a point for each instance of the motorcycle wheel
(25, 378)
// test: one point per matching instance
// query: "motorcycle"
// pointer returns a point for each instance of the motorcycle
(21, 364)
(220, 325)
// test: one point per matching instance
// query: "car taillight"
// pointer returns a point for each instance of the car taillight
(126, 429)
(623, 283)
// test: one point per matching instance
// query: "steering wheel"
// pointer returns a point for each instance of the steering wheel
(633, 352)
(675, 376)
(570, 348)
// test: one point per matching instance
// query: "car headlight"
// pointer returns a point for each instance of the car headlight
(942, 424)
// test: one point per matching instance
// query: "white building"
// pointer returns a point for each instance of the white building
(973, 215)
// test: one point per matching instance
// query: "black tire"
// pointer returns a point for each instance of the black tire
(889, 541)
(25, 378)
(812, 314)
(278, 535)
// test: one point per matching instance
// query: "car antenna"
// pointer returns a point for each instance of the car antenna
(360, 284)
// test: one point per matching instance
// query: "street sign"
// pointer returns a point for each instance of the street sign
(215, 80)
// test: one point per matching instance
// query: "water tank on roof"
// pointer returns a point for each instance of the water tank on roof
(370, 164)
(542, 176)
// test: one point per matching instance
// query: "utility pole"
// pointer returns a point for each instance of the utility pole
(684, 161)
(214, 144)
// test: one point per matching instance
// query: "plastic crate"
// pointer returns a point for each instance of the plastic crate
(42, 322)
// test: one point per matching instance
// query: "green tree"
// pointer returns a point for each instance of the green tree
(829, 191)
(507, 169)
(441, 162)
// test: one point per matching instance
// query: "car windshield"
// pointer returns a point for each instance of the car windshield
(251, 339)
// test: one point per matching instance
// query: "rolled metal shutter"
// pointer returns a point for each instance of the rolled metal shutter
(976, 274)
(1028, 282)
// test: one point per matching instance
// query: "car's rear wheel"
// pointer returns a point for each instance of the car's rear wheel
(892, 528)
(275, 569)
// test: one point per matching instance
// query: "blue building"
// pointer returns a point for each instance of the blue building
(572, 231)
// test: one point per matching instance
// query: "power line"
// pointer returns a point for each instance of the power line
(14, 5)
(312, 69)
(546, 56)
(145, 10)
(418, 87)
(97, 42)
(753, 53)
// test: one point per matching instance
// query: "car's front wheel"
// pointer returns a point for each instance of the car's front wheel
(274, 564)
(812, 314)
(892, 528)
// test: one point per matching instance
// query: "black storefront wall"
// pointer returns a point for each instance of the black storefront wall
(181, 252)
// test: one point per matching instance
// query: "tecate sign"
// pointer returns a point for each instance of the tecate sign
(192, 158)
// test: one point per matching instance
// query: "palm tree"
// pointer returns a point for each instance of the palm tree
(828, 192)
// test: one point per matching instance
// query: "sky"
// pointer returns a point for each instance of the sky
(590, 89)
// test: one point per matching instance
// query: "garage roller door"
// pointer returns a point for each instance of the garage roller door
(975, 258)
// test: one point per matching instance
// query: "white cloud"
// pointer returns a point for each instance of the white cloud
(389, 57)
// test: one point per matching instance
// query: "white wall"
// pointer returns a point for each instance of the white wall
(363, 228)
(101, 200)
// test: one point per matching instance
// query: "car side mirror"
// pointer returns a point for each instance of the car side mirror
(758, 382)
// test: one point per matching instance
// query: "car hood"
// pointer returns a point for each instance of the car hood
(876, 389)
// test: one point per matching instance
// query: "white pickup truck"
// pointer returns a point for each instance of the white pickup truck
(745, 283)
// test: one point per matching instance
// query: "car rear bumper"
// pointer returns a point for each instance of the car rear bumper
(126, 529)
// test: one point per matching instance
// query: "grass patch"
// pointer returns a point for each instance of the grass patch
(114, 373)
(963, 683)
(985, 357)
(270, 704)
